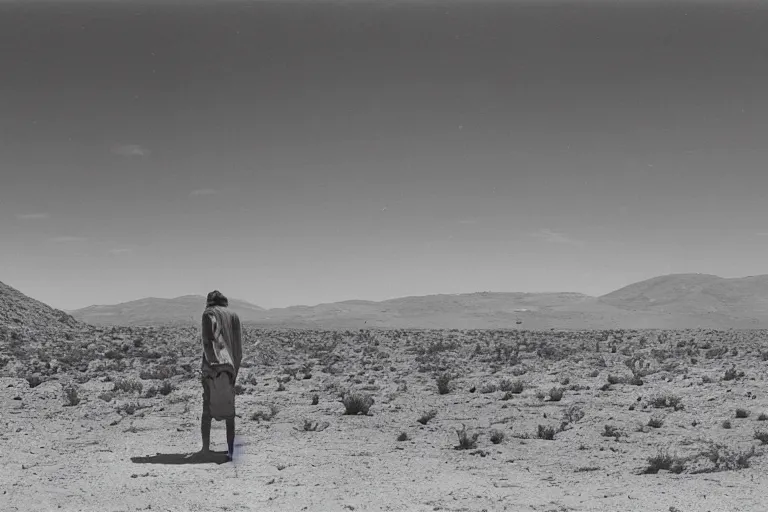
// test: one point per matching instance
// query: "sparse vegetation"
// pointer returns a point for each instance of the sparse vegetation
(742, 413)
(444, 383)
(545, 432)
(663, 460)
(356, 403)
(265, 415)
(71, 396)
(466, 441)
(426, 417)
(127, 386)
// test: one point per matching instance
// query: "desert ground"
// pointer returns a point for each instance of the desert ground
(101, 419)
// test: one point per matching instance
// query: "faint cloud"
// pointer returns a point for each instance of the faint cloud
(31, 216)
(119, 251)
(130, 150)
(68, 239)
(203, 192)
(554, 237)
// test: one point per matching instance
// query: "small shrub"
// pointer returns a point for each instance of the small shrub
(733, 374)
(763, 417)
(444, 384)
(71, 397)
(671, 401)
(402, 437)
(724, 459)
(166, 388)
(497, 436)
(556, 394)
(506, 385)
(762, 436)
(655, 422)
(488, 388)
(128, 408)
(426, 417)
(355, 403)
(34, 381)
(726, 424)
(466, 441)
(611, 431)
(516, 387)
(107, 396)
(545, 432)
(315, 399)
(662, 460)
(127, 386)
(573, 414)
(742, 413)
(264, 415)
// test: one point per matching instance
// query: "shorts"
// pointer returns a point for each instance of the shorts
(225, 407)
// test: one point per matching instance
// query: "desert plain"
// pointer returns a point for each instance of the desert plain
(103, 418)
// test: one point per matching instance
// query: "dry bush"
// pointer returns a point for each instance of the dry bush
(127, 386)
(733, 374)
(488, 388)
(466, 441)
(497, 436)
(356, 403)
(426, 417)
(545, 432)
(71, 396)
(264, 415)
(742, 413)
(663, 460)
(612, 431)
(443, 383)
(722, 458)
(556, 394)
(667, 401)
(573, 414)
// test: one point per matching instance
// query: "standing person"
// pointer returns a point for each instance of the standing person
(222, 354)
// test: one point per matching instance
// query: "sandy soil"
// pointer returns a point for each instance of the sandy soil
(97, 456)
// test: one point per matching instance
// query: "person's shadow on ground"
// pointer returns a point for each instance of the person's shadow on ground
(183, 458)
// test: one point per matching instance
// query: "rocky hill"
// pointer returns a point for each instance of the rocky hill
(183, 310)
(20, 311)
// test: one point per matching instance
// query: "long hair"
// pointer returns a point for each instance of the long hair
(216, 298)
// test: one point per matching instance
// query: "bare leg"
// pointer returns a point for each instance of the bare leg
(231, 437)
(205, 431)
(205, 421)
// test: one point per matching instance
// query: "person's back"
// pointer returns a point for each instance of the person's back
(222, 355)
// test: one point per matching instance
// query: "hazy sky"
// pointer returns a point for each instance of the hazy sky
(305, 152)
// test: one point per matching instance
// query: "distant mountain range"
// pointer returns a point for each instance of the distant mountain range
(672, 302)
